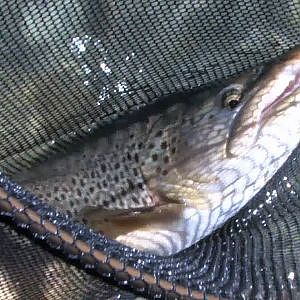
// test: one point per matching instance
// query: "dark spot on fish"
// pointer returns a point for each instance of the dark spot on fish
(173, 150)
(158, 169)
(63, 197)
(151, 146)
(131, 136)
(174, 139)
(140, 186)
(116, 178)
(79, 192)
(210, 116)
(105, 203)
(92, 189)
(86, 200)
(154, 157)
(117, 166)
(56, 199)
(159, 133)
(129, 156)
(73, 180)
(93, 174)
(136, 157)
(82, 183)
(117, 146)
(55, 189)
(108, 177)
(103, 168)
(163, 145)
(164, 172)
(130, 184)
(166, 159)
(133, 145)
(104, 183)
(135, 172)
(113, 198)
(126, 168)
(71, 203)
(121, 174)
(123, 192)
(134, 199)
(48, 195)
(140, 145)
(99, 185)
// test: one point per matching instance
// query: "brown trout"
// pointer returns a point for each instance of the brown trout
(162, 184)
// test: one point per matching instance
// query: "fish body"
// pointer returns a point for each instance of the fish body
(162, 184)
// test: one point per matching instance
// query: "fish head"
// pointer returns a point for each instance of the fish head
(235, 143)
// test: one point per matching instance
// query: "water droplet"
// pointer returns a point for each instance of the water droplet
(79, 45)
(86, 69)
(122, 87)
(104, 67)
(291, 276)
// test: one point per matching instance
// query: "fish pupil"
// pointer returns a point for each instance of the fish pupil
(233, 104)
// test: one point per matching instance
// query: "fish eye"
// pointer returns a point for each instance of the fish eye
(231, 97)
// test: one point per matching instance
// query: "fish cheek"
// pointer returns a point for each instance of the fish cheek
(200, 192)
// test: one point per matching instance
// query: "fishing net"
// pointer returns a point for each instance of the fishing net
(70, 67)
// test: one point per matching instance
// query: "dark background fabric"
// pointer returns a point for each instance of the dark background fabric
(68, 67)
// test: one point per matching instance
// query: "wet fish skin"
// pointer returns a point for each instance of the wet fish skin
(196, 164)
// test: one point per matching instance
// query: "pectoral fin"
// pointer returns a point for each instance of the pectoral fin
(162, 230)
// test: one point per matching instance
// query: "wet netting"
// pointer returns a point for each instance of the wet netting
(69, 68)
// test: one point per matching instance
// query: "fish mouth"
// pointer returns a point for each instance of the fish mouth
(292, 87)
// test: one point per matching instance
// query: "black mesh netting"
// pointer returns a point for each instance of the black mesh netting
(39, 274)
(68, 67)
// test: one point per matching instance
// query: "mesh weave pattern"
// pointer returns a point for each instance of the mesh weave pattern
(69, 65)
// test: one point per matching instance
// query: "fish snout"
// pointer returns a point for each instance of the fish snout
(271, 96)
